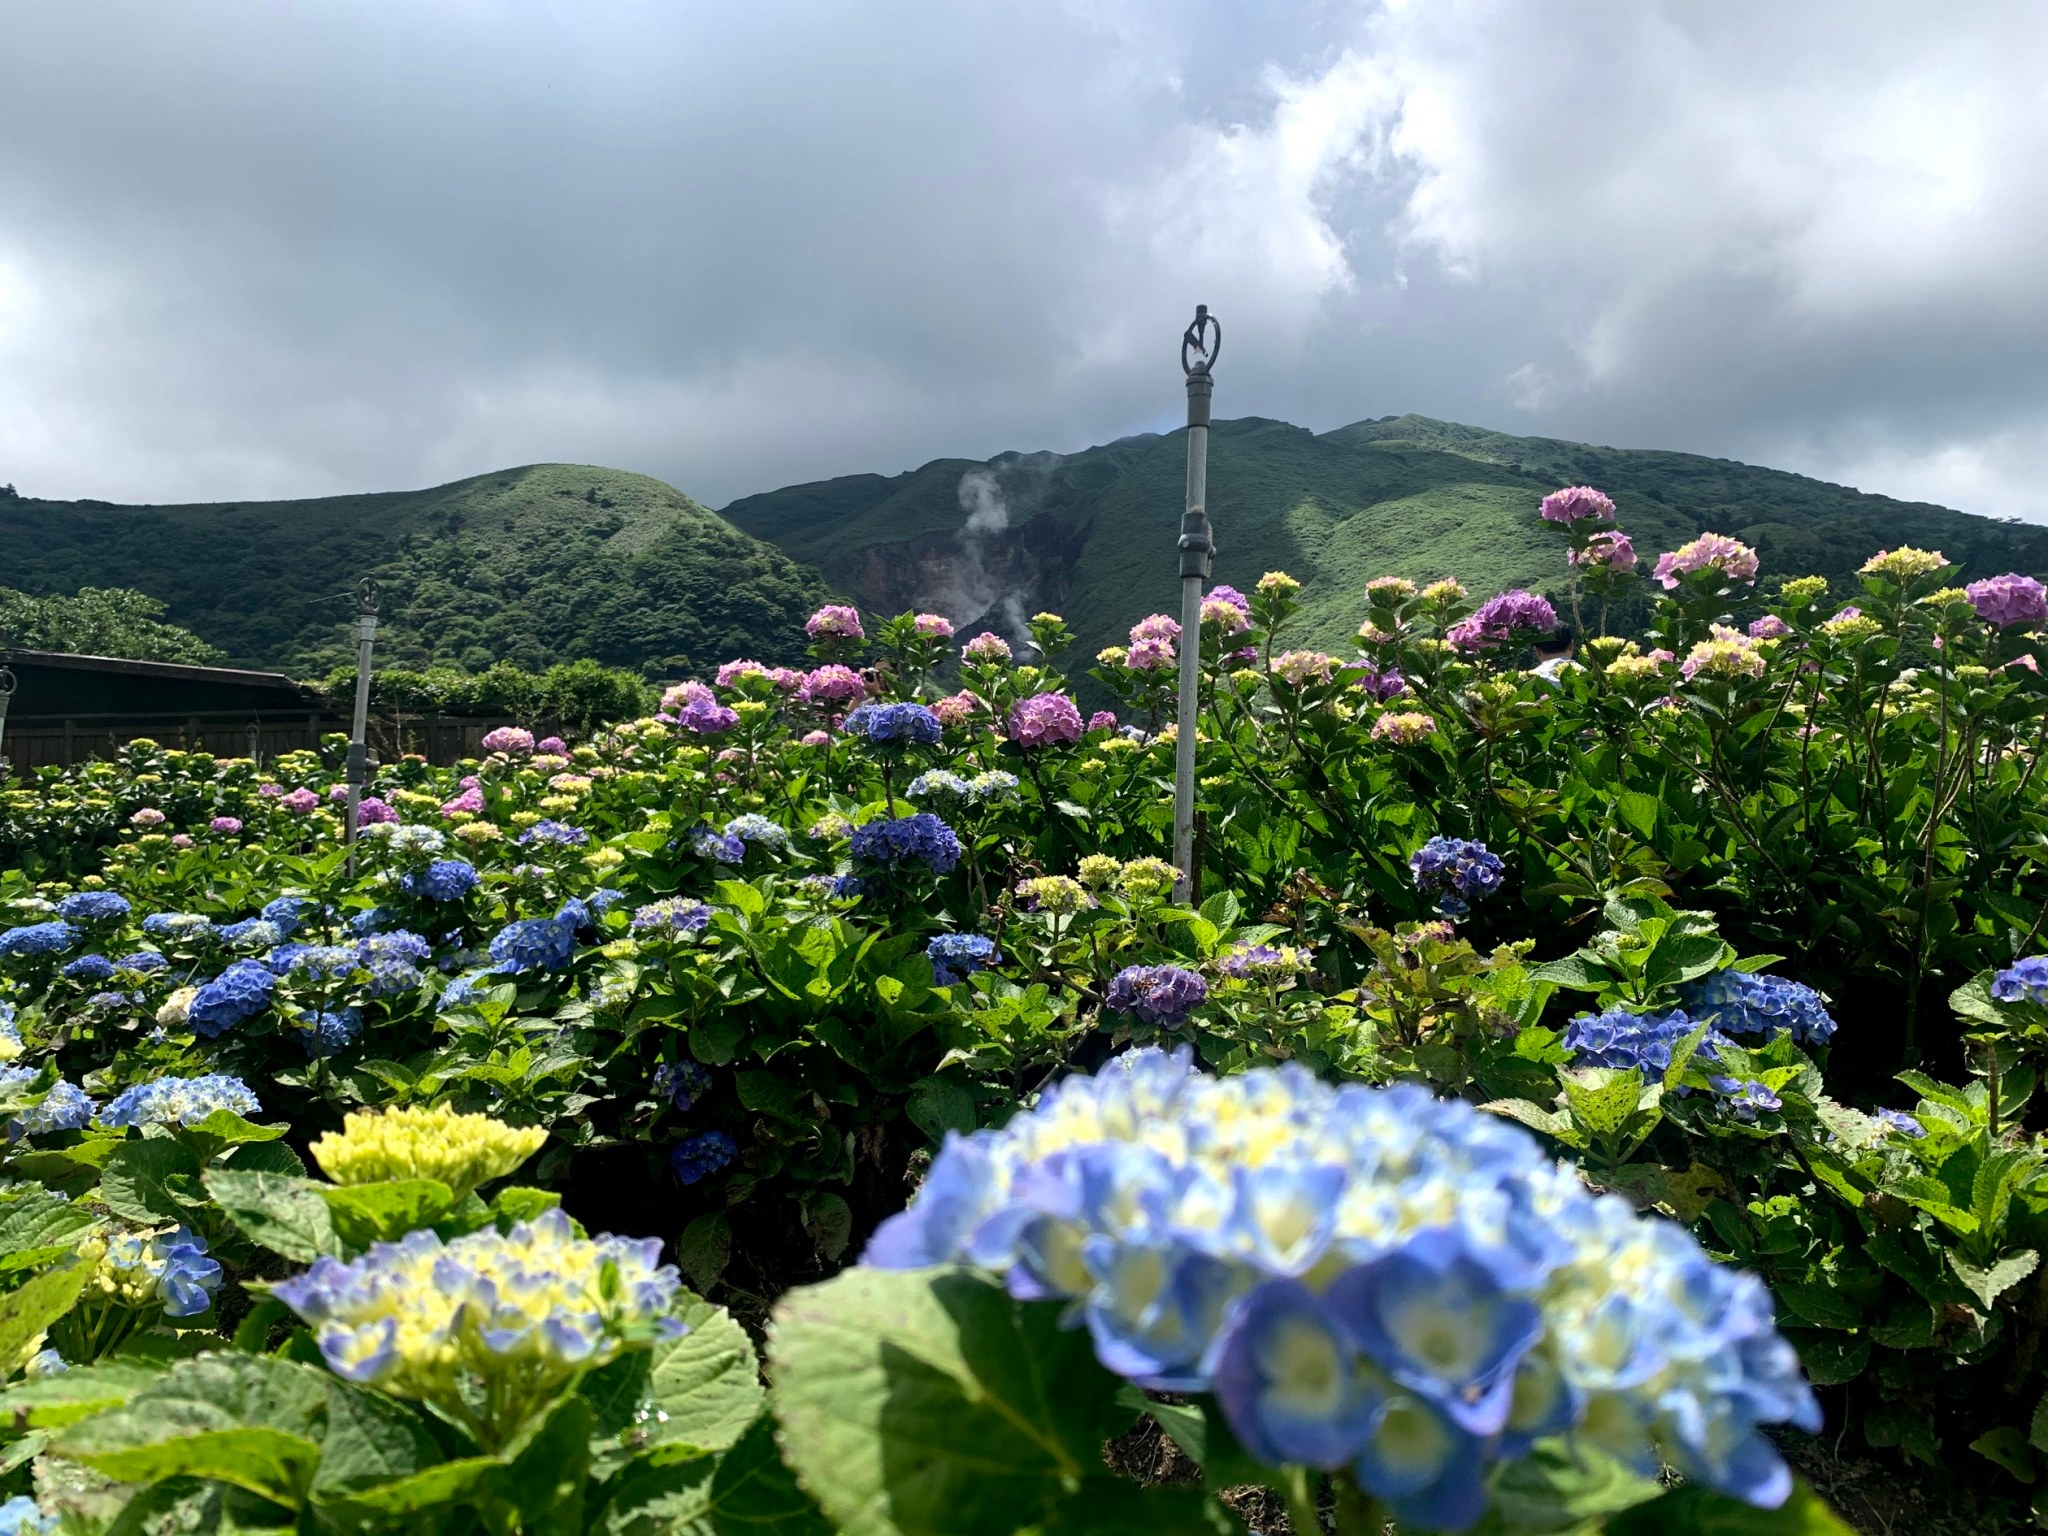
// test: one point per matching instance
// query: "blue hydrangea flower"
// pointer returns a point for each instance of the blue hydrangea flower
(2024, 981)
(921, 838)
(442, 880)
(288, 913)
(393, 961)
(1158, 994)
(330, 1031)
(1744, 1098)
(682, 1083)
(896, 725)
(1898, 1120)
(144, 962)
(1644, 1041)
(93, 907)
(710, 843)
(558, 834)
(22, 1516)
(89, 968)
(64, 1108)
(180, 1101)
(252, 933)
(602, 900)
(374, 920)
(698, 1157)
(37, 939)
(1742, 1003)
(1459, 871)
(673, 914)
(189, 1278)
(463, 990)
(537, 943)
(751, 829)
(1365, 1278)
(180, 927)
(957, 956)
(238, 993)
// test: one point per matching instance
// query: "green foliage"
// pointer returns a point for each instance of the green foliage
(98, 621)
(525, 565)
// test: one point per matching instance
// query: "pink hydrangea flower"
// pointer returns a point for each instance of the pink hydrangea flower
(1045, 719)
(509, 738)
(958, 708)
(1513, 615)
(1228, 610)
(471, 801)
(836, 621)
(1155, 626)
(1576, 503)
(2009, 599)
(148, 816)
(1609, 550)
(732, 673)
(1732, 560)
(816, 739)
(833, 687)
(1403, 730)
(986, 648)
(1150, 655)
(1300, 667)
(182, 840)
(553, 746)
(372, 811)
(270, 791)
(1102, 720)
(1769, 627)
(934, 626)
(225, 824)
(337, 794)
(300, 802)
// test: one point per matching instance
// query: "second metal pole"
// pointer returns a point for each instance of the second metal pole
(359, 733)
(1197, 561)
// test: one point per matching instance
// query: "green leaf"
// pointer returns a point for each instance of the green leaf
(1576, 973)
(545, 1482)
(748, 1491)
(30, 1309)
(2007, 1447)
(1822, 1304)
(1535, 1116)
(829, 1221)
(929, 1403)
(266, 1157)
(370, 1440)
(1830, 1359)
(248, 1420)
(1601, 1099)
(938, 1105)
(704, 1248)
(1973, 1000)
(275, 1211)
(33, 1218)
(715, 1039)
(516, 1203)
(1987, 1285)
(445, 1483)
(384, 1212)
(1110, 1506)
(1557, 1486)
(770, 1093)
(151, 1182)
(1638, 810)
(1695, 1511)
(51, 1402)
(223, 1129)
(707, 1384)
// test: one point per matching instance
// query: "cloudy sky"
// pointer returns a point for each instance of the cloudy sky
(291, 247)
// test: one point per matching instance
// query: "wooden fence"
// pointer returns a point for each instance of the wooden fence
(41, 742)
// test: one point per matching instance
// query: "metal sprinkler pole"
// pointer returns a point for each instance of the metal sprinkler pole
(359, 734)
(6, 693)
(1199, 348)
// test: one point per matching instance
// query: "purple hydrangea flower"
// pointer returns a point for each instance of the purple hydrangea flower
(1458, 870)
(2009, 599)
(1511, 616)
(1158, 994)
(837, 621)
(896, 725)
(1575, 503)
(1045, 719)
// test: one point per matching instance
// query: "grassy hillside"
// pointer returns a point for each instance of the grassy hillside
(538, 565)
(1092, 534)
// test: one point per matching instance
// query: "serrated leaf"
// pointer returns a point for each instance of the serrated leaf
(516, 1203)
(829, 1221)
(1601, 1099)
(704, 1248)
(1110, 1506)
(930, 1403)
(384, 1212)
(2007, 1447)
(249, 1420)
(747, 1491)
(33, 1218)
(1821, 1304)
(275, 1211)
(706, 1385)
(1973, 1000)
(51, 1402)
(29, 1309)
(1638, 810)
(151, 1182)
(1535, 1116)
(370, 1440)
(938, 1105)
(1987, 1285)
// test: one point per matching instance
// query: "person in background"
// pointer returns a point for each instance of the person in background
(1554, 655)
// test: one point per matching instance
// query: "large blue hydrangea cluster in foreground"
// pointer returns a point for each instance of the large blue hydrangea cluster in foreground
(922, 838)
(1620, 1040)
(1367, 1279)
(180, 1101)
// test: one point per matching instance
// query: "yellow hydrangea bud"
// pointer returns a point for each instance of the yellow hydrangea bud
(480, 832)
(408, 1142)
(1098, 869)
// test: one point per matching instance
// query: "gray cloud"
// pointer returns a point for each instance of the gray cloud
(292, 248)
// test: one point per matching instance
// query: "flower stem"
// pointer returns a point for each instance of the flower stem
(1299, 1489)
(1358, 1512)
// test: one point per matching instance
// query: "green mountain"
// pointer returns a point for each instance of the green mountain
(547, 563)
(1091, 535)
